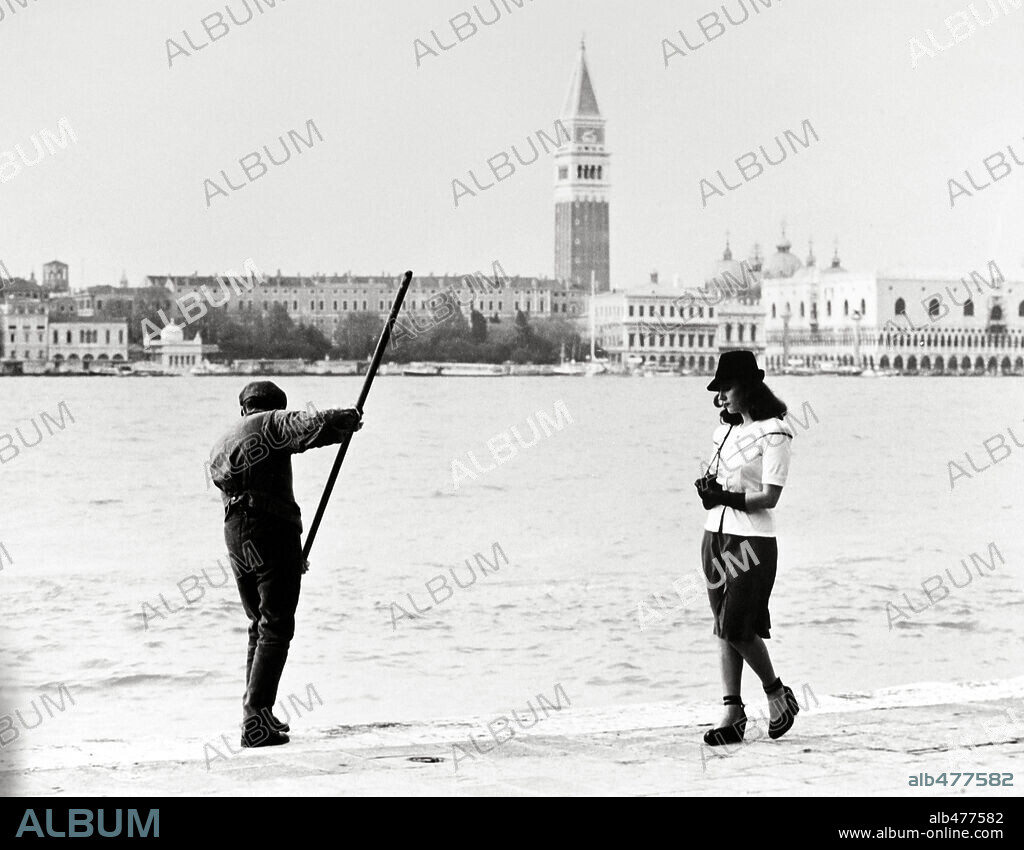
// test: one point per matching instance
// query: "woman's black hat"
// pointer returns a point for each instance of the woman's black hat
(736, 366)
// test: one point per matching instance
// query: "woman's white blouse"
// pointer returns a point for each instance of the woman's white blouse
(753, 455)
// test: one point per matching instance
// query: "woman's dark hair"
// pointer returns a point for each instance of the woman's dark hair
(761, 403)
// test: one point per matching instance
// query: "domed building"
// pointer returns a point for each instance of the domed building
(837, 265)
(173, 352)
(729, 273)
(725, 265)
(783, 263)
(902, 320)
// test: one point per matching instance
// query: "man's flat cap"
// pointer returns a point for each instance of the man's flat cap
(266, 395)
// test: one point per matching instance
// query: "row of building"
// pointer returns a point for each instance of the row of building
(795, 314)
(323, 301)
(42, 326)
(791, 313)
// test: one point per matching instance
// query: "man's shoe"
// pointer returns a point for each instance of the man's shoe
(278, 725)
(257, 732)
(273, 739)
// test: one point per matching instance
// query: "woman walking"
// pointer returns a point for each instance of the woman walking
(742, 485)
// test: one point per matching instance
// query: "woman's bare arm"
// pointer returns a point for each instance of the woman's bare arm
(768, 497)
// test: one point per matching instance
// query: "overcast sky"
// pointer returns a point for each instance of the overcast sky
(376, 193)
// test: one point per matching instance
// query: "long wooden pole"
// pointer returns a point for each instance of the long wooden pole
(378, 355)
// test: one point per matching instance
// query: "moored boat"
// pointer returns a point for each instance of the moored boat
(208, 368)
(456, 370)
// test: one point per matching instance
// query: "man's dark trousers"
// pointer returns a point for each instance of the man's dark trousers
(266, 558)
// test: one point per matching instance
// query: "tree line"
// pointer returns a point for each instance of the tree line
(446, 334)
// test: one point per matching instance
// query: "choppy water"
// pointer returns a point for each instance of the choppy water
(113, 511)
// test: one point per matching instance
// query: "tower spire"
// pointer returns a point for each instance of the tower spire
(784, 244)
(581, 101)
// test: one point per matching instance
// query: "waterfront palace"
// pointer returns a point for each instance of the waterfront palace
(792, 313)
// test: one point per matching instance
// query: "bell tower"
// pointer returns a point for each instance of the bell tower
(581, 187)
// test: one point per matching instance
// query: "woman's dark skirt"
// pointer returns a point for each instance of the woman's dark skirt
(739, 572)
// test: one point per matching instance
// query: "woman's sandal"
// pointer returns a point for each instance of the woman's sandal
(731, 734)
(778, 728)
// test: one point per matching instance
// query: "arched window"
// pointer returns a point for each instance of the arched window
(728, 333)
(579, 171)
(997, 314)
(828, 308)
(933, 308)
(901, 307)
(801, 309)
(753, 333)
(846, 308)
(600, 168)
(969, 308)
(739, 333)
(863, 307)
(1021, 309)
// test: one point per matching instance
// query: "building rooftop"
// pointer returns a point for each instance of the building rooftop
(307, 281)
(18, 284)
(87, 320)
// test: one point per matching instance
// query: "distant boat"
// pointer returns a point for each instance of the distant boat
(567, 368)
(533, 369)
(208, 368)
(119, 370)
(152, 370)
(594, 366)
(570, 368)
(423, 370)
(828, 368)
(797, 366)
(335, 367)
(659, 372)
(456, 370)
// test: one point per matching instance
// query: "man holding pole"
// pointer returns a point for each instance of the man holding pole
(251, 465)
